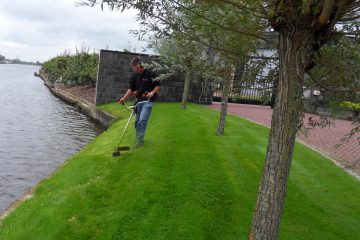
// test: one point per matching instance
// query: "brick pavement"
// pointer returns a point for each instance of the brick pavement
(324, 140)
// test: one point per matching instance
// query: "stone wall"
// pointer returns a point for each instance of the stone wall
(114, 73)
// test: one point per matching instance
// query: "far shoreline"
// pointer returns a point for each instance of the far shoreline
(22, 63)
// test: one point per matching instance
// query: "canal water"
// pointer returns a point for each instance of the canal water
(38, 131)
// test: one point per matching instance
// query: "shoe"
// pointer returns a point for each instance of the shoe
(139, 144)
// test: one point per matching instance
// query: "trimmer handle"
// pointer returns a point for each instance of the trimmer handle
(136, 104)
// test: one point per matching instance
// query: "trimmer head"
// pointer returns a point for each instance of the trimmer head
(117, 150)
(126, 148)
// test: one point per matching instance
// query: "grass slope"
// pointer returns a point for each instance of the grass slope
(185, 183)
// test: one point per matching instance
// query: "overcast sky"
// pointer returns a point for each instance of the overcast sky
(37, 30)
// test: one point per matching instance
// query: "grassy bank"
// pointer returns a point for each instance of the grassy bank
(185, 183)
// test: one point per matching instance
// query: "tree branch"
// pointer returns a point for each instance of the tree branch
(331, 89)
(244, 8)
(196, 38)
(327, 9)
(258, 36)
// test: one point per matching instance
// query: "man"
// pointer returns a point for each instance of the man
(144, 87)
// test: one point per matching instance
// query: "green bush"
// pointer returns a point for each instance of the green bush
(350, 105)
(79, 69)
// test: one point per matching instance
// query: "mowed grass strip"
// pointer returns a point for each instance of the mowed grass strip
(186, 182)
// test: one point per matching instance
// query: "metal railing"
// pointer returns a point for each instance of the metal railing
(259, 92)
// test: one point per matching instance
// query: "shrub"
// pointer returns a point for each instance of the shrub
(350, 105)
(78, 69)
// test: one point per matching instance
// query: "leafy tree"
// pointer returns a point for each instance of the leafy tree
(303, 27)
(181, 55)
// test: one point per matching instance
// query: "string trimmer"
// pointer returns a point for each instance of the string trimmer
(117, 149)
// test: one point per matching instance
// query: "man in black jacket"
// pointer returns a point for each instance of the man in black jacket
(144, 87)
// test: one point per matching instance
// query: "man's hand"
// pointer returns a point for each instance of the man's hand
(149, 95)
(122, 101)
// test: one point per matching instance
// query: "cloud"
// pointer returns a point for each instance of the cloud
(9, 44)
(41, 29)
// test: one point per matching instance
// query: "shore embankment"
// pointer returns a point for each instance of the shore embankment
(81, 97)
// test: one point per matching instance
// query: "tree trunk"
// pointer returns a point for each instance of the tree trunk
(224, 102)
(295, 50)
(185, 95)
(274, 90)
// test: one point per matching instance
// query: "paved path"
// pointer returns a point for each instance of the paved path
(323, 140)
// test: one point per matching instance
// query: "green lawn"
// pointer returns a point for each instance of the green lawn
(185, 183)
